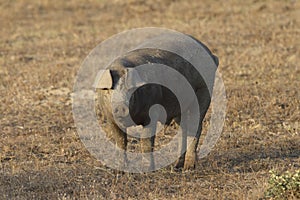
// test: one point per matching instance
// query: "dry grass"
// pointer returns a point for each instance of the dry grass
(42, 45)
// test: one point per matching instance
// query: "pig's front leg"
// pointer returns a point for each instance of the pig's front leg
(147, 146)
(120, 139)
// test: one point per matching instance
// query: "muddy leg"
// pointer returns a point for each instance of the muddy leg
(120, 139)
(191, 153)
(182, 144)
(203, 97)
(147, 146)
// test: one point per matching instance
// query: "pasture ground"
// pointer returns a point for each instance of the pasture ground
(43, 43)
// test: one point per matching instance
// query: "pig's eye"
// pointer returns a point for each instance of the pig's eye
(116, 110)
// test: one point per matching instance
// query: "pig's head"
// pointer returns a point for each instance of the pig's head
(122, 85)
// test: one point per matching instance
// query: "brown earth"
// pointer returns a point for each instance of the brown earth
(43, 43)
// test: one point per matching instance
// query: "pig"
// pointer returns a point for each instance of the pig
(121, 77)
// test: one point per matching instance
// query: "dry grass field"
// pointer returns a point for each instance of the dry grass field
(42, 45)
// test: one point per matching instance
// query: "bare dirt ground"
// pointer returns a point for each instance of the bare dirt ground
(43, 43)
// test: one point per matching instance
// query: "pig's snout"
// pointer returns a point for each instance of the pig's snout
(121, 111)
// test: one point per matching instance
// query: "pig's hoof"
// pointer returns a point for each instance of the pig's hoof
(189, 164)
(179, 165)
(189, 167)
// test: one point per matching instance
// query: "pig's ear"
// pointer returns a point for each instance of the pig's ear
(133, 78)
(103, 80)
(216, 60)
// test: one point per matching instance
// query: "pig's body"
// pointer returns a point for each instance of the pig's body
(147, 95)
